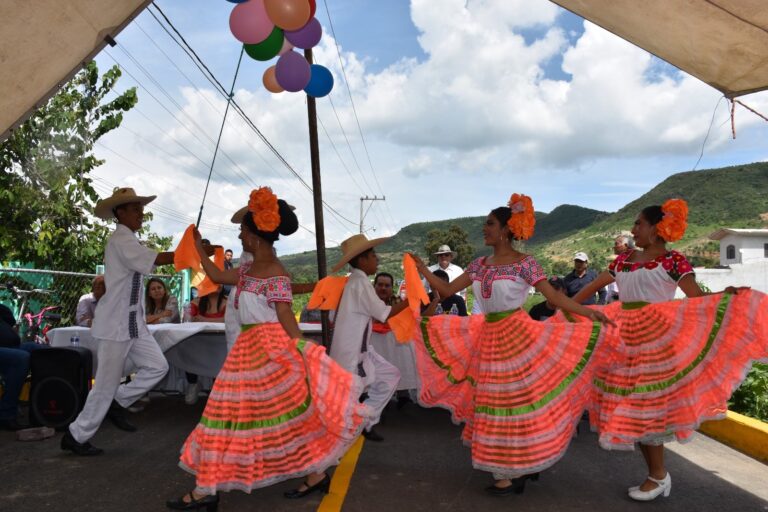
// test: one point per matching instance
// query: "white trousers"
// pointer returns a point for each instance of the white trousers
(381, 378)
(144, 354)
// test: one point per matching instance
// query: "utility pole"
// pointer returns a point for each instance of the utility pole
(371, 199)
(317, 194)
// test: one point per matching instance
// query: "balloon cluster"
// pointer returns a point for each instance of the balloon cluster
(269, 28)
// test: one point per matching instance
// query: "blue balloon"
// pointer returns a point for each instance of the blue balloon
(237, 1)
(320, 81)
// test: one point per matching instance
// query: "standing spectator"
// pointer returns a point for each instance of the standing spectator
(445, 256)
(621, 244)
(228, 265)
(546, 309)
(14, 366)
(581, 277)
(161, 307)
(86, 306)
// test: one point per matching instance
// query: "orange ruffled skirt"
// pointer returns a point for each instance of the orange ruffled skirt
(280, 408)
(680, 362)
(519, 386)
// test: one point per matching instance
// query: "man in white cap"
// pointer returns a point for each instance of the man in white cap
(581, 277)
(119, 325)
(445, 256)
(351, 345)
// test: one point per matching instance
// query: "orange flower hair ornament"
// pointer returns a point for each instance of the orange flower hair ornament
(264, 209)
(522, 220)
(672, 226)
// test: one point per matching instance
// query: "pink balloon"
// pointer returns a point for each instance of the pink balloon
(287, 46)
(249, 22)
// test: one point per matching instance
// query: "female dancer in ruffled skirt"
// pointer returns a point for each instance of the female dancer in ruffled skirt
(280, 407)
(680, 360)
(520, 386)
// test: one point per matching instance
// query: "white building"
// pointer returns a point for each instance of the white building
(743, 260)
(741, 245)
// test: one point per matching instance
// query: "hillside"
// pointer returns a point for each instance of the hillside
(731, 196)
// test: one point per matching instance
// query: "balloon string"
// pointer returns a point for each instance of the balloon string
(221, 131)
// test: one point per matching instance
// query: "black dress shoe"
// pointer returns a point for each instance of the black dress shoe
(85, 449)
(517, 486)
(116, 415)
(209, 502)
(323, 485)
(372, 435)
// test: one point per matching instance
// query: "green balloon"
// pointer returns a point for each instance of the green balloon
(268, 48)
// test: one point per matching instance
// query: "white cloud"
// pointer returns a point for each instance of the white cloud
(450, 134)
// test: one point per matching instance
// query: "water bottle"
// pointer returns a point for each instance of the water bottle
(186, 315)
(454, 310)
(439, 309)
(75, 340)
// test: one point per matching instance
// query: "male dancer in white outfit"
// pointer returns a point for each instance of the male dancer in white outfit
(119, 325)
(351, 346)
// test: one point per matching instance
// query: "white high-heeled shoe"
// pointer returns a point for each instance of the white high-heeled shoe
(663, 488)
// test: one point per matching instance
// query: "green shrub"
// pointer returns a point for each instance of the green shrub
(751, 398)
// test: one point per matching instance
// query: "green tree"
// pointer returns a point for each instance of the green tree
(46, 191)
(456, 238)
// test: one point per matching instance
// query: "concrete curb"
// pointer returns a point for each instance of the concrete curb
(748, 435)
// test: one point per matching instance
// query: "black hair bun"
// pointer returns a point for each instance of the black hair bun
(289, 223)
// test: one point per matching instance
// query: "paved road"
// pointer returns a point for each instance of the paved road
(421, 466)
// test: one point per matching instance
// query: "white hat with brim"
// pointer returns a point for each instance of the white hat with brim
(354, 245)
(239, 215)
(444, 249)
(120, 196)
(581, 256)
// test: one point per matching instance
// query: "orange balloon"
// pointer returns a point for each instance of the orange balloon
(288, 14)
(270, 81)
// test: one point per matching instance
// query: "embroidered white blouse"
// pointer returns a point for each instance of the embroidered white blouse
(649, 281)
(503, 287)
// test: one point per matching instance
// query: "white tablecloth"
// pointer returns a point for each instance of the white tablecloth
(195, 347)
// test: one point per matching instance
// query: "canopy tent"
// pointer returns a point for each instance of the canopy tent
(45, 42)
(723, 43)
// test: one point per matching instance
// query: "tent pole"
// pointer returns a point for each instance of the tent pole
(317, 195)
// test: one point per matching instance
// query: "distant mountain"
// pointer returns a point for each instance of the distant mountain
(734, 197)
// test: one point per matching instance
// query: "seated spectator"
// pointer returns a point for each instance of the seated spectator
(544, 310)
(87, 304)
(14, 367)
(210, 308)
(453, 305)
(160, 307)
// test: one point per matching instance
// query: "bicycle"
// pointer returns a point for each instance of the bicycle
(35, 326)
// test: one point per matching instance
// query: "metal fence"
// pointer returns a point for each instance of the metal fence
(36, 289)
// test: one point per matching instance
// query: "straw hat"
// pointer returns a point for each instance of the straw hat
(444, 249)
(119, 196)
(354, 245)
(239, 215)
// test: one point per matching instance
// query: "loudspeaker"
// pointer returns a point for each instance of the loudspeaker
(61, 379)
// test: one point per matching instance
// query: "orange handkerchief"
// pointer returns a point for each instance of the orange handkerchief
(327, 293)
(185, 255)
(415, 291)
(403, 325)
(207, 286)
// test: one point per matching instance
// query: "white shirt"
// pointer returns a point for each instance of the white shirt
(120, 313)
(86, 308)
(503, 287)
(453, 272)
(358, 306)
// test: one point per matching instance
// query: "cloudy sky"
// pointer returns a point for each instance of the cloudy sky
(459, 102)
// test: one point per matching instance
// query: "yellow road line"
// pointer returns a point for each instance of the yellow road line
(333, 501)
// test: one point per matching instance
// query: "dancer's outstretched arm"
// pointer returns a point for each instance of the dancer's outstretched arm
(216, 275)
(287, 320)
(564, 302)
(692, 289)
(601, 281)
(443, 288)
